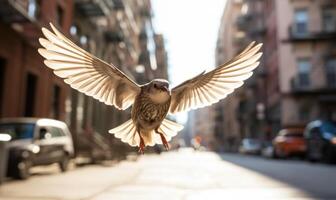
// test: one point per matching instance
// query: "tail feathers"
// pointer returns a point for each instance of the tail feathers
(148, 137)
(127, 133)
(169, 130)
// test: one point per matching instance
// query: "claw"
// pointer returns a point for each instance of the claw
(164, 141)
(142, 146)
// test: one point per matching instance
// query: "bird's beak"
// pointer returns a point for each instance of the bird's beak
(164, 88)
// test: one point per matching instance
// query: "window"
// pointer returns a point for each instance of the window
(331, 72)
(55, 132)
(60, 15)
(55, 111)
(329, 19)
(31, 83)
(33, 8)
(61, 132)
(18, 130)
(304, 67)
(301, 21)
(2, 83)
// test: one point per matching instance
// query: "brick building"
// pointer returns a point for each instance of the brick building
(27, 87)
(123, 36)
(119, 32)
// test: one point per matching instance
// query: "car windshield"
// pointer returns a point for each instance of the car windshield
(250, 142)
(329, 127)
(18, 130)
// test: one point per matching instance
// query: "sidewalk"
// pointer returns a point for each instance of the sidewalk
(182, 175)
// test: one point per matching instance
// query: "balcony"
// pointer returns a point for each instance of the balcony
(114, 36)
(299, 34)
(243, 21)
(301, 84)
(93, 8)
(16, 11)
(118, 5)
(258, 30)
(252, 24)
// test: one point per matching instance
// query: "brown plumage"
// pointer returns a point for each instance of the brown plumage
(152, 101)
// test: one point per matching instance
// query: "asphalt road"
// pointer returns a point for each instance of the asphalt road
(184, 175)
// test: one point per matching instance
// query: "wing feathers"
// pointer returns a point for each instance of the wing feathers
(208, 88)
(85, 72)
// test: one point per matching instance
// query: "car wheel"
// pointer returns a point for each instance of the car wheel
(279, 154)
(310, 159)
(328, 156)
(64, 164)
(23, 169)
(274, 155)
(309, 156)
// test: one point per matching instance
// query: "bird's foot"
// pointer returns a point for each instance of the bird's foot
(141, 146)
(164, 141)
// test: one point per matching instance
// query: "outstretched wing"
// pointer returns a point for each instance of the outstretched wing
(208, 88)
(85, 72)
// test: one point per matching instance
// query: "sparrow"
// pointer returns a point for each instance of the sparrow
(151, 101)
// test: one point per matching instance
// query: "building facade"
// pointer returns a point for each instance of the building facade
(307, 60)
(227, 127)
(119, 32)
(123, 36)
(27, 87)
(295, 82)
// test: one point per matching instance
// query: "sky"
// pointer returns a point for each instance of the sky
(190, 29)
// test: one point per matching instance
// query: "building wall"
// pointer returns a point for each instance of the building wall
(118, 33)
(202, 124)
(19, 51)
(161, 57)
(227, 127)
(290, 51)
(122, 37)
(272, 98)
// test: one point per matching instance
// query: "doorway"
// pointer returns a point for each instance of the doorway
(31, 83)
(2, 84)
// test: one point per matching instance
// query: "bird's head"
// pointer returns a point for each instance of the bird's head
(159, 86)
(158, 90)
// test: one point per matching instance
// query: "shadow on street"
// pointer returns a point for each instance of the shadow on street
(316, 179)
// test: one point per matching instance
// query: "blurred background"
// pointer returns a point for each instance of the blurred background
(273, 138)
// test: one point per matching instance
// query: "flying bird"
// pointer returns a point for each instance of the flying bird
(150, 102)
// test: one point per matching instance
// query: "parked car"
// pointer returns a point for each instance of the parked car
(36, 142)
(250, 146)
(289, 142)
(321, 141)
(267, 150)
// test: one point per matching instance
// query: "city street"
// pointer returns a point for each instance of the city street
(184, 175)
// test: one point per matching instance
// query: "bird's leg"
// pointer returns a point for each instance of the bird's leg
(163, 139)
(142, 143)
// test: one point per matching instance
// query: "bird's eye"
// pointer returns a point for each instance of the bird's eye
(155, 85)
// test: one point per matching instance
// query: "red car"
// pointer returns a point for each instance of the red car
(289, 142)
